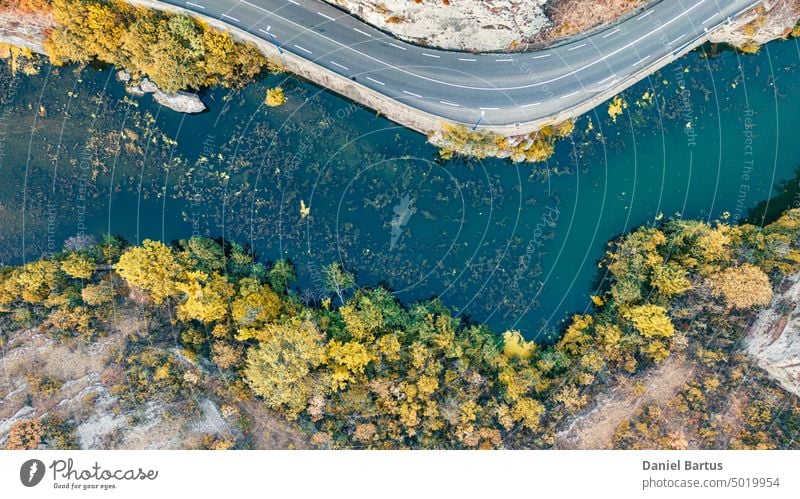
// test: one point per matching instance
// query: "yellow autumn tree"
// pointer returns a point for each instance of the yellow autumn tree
(347, 360)
(742, 287)
(278, 369)
(670, 279)
(528, 412)
(25, 434)
(206, 297)
(153, 267)
(651, 321)
(256, 303)
(37, 280)
(78, 266)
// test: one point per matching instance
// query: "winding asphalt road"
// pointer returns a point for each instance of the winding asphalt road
(491, 89)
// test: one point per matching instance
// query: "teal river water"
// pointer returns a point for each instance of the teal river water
(514, 245)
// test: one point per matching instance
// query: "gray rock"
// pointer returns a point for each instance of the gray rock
(134, 90)
(148, 86)
(773, 340)
(183, 102)
(123, 75)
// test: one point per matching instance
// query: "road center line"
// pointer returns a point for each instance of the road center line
(303, 49)
(376, 81)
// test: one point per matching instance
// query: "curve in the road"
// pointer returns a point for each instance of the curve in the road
(494, 89)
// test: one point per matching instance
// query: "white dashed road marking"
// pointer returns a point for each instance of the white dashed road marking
(609, 78)
(303, 49)
(376, 81)
(675, 40)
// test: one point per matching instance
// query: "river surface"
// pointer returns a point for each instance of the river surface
(514, 245)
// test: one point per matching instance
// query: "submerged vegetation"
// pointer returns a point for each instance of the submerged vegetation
(359, 369)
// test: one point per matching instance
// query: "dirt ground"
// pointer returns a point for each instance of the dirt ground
(570, 17)
(85, 399)
(595, 428)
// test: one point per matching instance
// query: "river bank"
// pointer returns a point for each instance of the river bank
(774, 20)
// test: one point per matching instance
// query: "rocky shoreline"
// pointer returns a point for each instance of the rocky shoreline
(29, 31)
(775, 19)
(182, 102)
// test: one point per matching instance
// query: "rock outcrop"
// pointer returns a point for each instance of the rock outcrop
(183, 102)
(23, 29)
(773, 340)
(773, 20)
(483, 25)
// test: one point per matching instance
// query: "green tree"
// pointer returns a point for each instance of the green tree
(281, 275)
(337, 280)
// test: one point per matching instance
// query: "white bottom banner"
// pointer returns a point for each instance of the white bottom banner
(401, 474)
